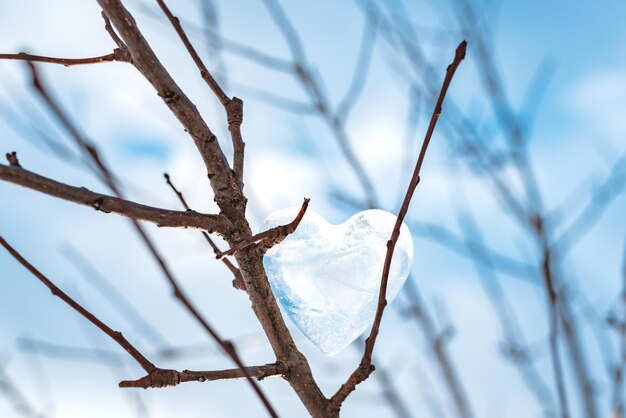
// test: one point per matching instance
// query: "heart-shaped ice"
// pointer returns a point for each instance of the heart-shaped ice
(327, 277)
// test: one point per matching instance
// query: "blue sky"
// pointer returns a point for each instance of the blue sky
(579, 131)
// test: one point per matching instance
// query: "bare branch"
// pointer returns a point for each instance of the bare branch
(204, 72)
(107, 26)
(118, 54)
(164, 378)
(223, 181)
(238, 281)
(599, 201)
(115, 335)
(110, 204)
(271, 237)
(279, 102)
(620, 368)
(365, 368)
(233, 107)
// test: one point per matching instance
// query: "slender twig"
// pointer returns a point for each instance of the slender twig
(173, 377)
(599, 201)
(233, 107)
(117, 55)
(204, 72)
(271, 237)
(109, 204)
(115, 335)
(238, 281)
(107, 26)
(365, 367)
(97, 355)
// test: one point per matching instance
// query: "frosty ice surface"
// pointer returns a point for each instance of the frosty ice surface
(327, 277)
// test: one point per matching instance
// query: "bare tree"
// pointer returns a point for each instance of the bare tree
(493, 150)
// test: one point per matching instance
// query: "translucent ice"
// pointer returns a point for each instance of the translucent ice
(327, 277)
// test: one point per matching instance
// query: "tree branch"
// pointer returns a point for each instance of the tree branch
(164, 377)
(223, 180)
(233, 107)
(365, 368)
(118, 54)
(110, 204)
(238, 280)
(115, 335)
(271, 237)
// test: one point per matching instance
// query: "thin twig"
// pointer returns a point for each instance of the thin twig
(233, 107)
(238, 281)
(439, 349)
(271, 237)
(115, 335)
(117, 55)
(166, 378)
(204, 72)
(107, 26)
(365, 368)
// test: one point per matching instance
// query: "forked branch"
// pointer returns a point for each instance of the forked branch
(238, 280)
(233, 107)
(271, 237)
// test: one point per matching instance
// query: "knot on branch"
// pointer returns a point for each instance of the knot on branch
(12, 159)
(97, 204)
(234, 111)
(158, 378)
(169, 97)
(238, 282)
(122, 54)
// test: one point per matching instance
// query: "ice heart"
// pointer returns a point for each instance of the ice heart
(327, 277)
